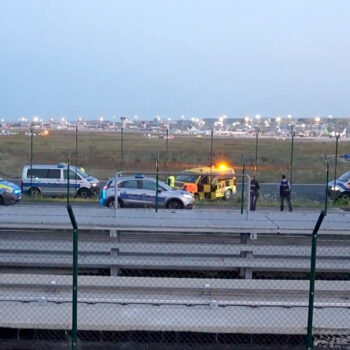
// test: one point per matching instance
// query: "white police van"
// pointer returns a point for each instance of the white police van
(52, 180)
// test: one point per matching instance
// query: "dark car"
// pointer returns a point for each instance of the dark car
(9, 192)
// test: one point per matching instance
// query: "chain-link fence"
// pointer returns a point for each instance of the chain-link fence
(172, 279)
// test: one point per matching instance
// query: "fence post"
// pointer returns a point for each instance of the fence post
(336, 158)
(243, 180)
(166, 151)
(121, 148)
(291, 158)
(327, 180)
(211, 147)
(75, 279)
(256, 150)
(309, 339)
(157, 181)
(31, 154)
(76, 155)
(68, 178)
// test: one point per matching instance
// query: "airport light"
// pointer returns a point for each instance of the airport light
(278, 119)
(289, 116)
(246, 119)
(317, 120)
(258, 116)
(36, 119)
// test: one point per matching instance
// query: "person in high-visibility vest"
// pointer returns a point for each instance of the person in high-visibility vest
(171, 181)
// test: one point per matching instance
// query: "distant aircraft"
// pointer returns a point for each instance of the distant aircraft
(328, 133)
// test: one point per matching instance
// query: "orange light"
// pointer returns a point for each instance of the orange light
(222, 166)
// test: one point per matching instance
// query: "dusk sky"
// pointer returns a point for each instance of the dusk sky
(201, 58)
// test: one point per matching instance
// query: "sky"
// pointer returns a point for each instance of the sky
(203, 58)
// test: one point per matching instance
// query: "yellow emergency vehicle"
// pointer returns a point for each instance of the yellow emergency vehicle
(216, 182)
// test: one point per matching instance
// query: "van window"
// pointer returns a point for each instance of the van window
(72, 175)
(37, 173)
(54, 174)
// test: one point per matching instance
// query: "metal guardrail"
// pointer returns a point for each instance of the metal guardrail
(115, 250)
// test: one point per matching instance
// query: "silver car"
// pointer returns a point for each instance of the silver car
(140, 191)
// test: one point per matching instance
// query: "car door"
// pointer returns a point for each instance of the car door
(149, 193)
(130, 192)
(52, 182)
(74, 181)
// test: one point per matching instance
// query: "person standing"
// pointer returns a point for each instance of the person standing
(284, 187)
(254, 192)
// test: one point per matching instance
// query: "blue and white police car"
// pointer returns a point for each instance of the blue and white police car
(341, 187)
(140, 191)
(9, 192)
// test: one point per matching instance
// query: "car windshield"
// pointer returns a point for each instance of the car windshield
(345, 177)
(187, 178)
(82, 173)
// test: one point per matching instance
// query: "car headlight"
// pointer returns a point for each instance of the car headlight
(17, 191)
(94, 185)
(336, 188)
(188, 196)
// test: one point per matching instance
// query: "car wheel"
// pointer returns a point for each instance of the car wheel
(110, 203)
(228, 195)
(175, 204)
(34, 192)
(1, 201)
(84, 193)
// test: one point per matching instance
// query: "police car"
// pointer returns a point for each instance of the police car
(9, 193)
(341, 187)
(140, 191)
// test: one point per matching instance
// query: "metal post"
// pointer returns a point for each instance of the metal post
(336, 158)
(243, 180)
(248, 196)
(166, 151)
(121, 148)
(68, 178)
(211, 147)
(327, 180)
(75, 278)
(291, 158)
(76, 154)
(256, 152)
(115, 196)
(31, 154)
(157, 181)
(309, 339)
